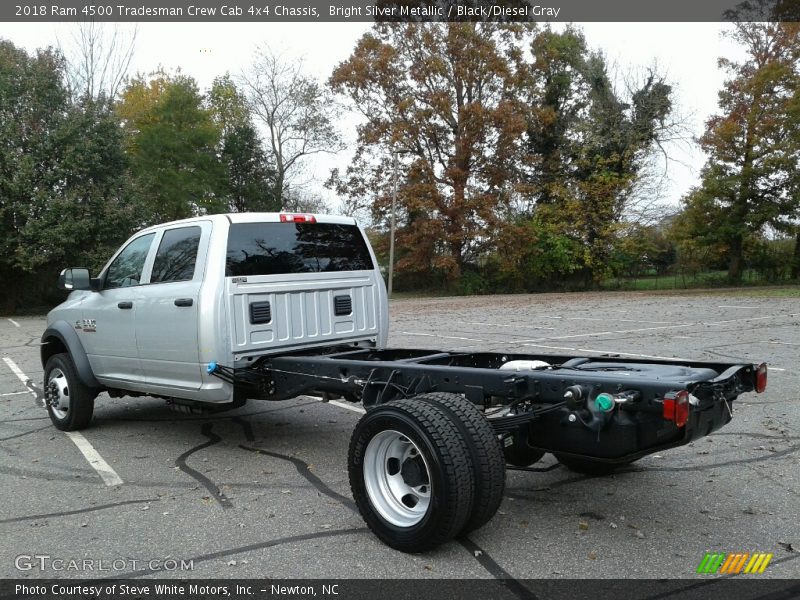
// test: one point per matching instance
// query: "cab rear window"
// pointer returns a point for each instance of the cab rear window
(285, 248)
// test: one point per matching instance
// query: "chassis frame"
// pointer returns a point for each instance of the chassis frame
(548, 409)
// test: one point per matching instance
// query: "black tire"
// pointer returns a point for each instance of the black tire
(589, 467)
(436, 438)
(519, 454)
(59, 374)
(485, 452)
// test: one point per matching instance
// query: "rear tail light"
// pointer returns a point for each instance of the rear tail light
(761, 378)
(297, 218)
(676, 407)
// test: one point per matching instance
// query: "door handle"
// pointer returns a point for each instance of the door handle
(184, 302)
(124, 305)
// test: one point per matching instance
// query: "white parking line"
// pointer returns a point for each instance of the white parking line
(24, 379)
(348, 406)
(446, 337)
(615, 332)
(654, 356)
(18, 372)
(743, 307)
(514, 325)
(605, 319)
(14, 323)
(743, 320)
(103, 469)
(108, 475)
(12, 394)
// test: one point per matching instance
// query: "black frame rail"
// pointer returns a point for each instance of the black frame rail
(551, 406)
(377, 376)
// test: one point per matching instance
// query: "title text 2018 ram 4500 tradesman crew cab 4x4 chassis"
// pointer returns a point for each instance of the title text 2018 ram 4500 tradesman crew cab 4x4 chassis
(211, 311)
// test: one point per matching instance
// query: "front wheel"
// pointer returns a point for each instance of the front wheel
(69, 402)
(411, 474)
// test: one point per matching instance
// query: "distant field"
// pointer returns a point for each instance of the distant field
(661, 285)
(700, 280)
(781, 292)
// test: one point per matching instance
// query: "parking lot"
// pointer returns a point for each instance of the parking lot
(262, 491)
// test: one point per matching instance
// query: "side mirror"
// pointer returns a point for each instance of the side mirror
(75, 278)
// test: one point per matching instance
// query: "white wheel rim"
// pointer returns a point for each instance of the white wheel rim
(397, 479)
(56, 393)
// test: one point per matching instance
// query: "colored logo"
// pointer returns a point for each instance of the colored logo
(734, 564)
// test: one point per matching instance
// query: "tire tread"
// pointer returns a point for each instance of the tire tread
(485, 451)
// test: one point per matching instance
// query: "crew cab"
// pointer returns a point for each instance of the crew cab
(212, 311)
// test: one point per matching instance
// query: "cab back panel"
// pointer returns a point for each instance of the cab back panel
(302, 309)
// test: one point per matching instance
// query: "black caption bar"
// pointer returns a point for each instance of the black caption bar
(399, 10)
(368, 589)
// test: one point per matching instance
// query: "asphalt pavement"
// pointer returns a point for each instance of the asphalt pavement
(262, 491)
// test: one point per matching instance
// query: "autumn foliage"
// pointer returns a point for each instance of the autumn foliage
(525, 160)
(518, 153)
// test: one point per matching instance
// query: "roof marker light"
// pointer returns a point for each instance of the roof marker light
(297, 218)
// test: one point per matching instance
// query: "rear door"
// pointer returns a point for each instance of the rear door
(297, 284)
(167, 309)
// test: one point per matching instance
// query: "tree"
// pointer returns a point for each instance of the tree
(301, 201)
(98, 60)
(227, 104)
(442, 94)
(88, 211)
(643, 249)
(587, 142)
(171, 142)
(32, 104)
(297, 111)
(556, 90)
(62, 176)
(534, 255)
(749, 181)
(250, 176)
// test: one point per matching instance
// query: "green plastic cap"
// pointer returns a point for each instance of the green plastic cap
(604, 402)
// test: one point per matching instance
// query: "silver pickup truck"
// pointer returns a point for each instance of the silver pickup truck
(212, 311)
(225, 288)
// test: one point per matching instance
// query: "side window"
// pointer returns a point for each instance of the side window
(176, 255)
(126, 270)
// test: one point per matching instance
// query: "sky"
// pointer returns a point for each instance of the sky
(686, 52)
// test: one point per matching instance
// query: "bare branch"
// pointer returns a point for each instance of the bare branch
(297, 112)
(99, 59)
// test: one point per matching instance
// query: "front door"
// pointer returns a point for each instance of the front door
(108, 330)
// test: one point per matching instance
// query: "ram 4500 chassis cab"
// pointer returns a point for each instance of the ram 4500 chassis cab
(212, 311)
